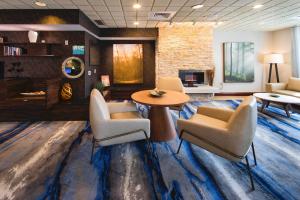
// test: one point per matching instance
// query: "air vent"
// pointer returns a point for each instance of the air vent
(99, 22)
(161, 16)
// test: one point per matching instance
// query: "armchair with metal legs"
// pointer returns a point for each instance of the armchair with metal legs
(174, 84)
(115, 123)
(224, 132)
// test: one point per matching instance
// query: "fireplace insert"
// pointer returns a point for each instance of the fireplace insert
(191, 78)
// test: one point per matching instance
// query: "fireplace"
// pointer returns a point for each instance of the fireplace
(192, 78)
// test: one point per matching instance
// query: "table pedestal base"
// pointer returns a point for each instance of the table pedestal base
(162, 126)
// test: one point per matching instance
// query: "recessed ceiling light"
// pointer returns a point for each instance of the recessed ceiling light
(258, 6)
(197, 6)
(40, 3)
(136, 6)
(136, 23)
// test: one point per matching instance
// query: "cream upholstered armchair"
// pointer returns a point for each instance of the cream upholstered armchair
(174, 84)
(115, 123)
(224, 132)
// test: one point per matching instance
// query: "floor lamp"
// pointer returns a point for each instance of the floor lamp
(276, 59)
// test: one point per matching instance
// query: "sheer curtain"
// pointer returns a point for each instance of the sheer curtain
(296, 51)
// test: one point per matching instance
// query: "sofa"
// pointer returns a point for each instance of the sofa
(291, 88)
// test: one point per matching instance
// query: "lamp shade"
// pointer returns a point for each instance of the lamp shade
(273, 58)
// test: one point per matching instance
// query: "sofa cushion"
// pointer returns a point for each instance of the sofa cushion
(288, 92)
(294, 84)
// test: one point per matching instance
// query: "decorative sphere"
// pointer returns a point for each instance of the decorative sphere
(66, 92)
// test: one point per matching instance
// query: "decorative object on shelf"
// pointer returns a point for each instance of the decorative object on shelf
(274, 58)
(78, 50)
(99, 86)
(157, 93)
(1, 39)
(36, 93)
(128, 63)
(73, 67)
(211, 76)
(66, 92)
(238, 62)
(32, 35)
(105, 80)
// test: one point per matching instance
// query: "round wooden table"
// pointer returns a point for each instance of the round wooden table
(162, 126)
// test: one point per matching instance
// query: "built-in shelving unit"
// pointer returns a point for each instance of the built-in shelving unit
(25, 49)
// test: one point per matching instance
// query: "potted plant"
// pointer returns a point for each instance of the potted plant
(99, 86)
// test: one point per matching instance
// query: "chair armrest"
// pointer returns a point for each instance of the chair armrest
(116, 127)
(219, 113)
(271, 87)
(207, 131)
(118, 107)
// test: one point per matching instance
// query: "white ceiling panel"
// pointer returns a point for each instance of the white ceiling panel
(236, 14)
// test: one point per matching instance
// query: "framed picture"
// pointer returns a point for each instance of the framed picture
(128, 63)
(78, 50)
(238, 62)
(105, 80)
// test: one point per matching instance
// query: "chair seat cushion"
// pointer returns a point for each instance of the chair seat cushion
(213, 122)
(125, 115)
(288, 92)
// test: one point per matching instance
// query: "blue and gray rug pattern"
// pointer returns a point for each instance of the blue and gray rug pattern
(129, 171)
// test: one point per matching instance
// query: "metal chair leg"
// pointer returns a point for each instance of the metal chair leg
(148, 142)
(180, 141)
(253, 152)
(249, 172)
(94, 141)
(179, 146)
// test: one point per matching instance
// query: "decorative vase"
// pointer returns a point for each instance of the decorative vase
(32, 35)
(66, 92)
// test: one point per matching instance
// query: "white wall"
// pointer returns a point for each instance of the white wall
(262, 45)
(282, 43)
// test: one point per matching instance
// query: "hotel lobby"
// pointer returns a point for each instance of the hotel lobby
(149, 99)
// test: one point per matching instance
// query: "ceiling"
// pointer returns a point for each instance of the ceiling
(233, 14)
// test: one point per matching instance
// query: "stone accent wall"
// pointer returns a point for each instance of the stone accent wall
(184, 48)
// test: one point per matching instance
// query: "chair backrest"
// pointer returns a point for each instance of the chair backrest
(294, 84)
(242, 124)
(170, 83)
(98, 107)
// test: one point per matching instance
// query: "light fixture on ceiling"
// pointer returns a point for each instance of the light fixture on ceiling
(257, 6)
(136, 23)
(40, 3)
(136, 6)
(197, 6)
(218, 23)
(296, 17)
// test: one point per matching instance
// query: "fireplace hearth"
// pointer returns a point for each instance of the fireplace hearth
(192, 78)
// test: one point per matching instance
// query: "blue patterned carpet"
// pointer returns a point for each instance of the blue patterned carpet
(128, 171)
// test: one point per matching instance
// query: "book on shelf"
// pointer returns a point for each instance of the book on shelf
(12, 51)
